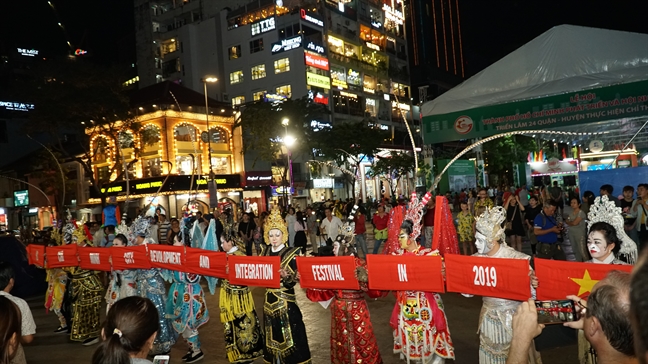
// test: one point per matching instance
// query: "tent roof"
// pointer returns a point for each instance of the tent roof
(565, 58)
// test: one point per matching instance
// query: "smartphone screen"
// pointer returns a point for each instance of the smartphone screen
(161, 359)
(556, 312)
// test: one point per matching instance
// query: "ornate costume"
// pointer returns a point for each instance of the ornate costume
(57, 281)
(420, 326)
(122, 284)
(243, 334)
(496, 316)
(285, 334)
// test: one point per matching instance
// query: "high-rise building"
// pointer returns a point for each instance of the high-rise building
(436, 47)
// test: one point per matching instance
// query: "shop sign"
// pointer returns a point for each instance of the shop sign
(323, 183)
(318, 125)
(280, 190)
(28, 52)
(286, 44)
(263, 26)
(145, 186)
(340, 84)
(273, 97)
(384, 127)
(554, 166)
(21, 198)
(321, 99)
(401, 105)
(309, 18)
(372, 46)
(316, 61)
(16, 106)
(318, 81)
(262, 178)
(394, 15)
(317, 48)
(574, 108)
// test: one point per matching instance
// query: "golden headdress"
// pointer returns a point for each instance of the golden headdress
(275, 221)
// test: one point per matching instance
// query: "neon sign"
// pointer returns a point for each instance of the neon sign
(393, 15)
(80, 52)
(316, 61)
(373, 46)
(311, 19)
(16, 106)
(28, 52)
(263, 26)
(315, 48)
(286, 44)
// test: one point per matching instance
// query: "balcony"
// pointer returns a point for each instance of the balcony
(350, 35)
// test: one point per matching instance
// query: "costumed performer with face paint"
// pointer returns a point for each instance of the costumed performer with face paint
(419, 321)
(57, 281)
(244, 340)
(352, 334)
(285, 333)
(495, 320)
(122, 282)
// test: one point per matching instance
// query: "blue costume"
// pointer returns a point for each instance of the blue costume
(151, 286)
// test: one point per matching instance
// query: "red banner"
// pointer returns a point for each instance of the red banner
(36, 255)
(557, 279)
(130, 257)
(207, 263)
(316, 61)
(327, 273)
(62, 256)
(488, 277)
(92, 258)
(405, 273)
(255, 271)
(167, 256)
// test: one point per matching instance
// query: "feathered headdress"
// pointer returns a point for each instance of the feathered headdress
(604, 210)
(489, 224)
(275, 222)
(415, 212)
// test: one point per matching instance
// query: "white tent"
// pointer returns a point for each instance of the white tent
(563, 59)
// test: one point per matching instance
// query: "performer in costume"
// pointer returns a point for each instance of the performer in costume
(495, 320)
(57, 281)
(352, 335)
(244, 341)
(186, 307)
(86, 292)
(420, 326)
(285, 333)
(150, 284)
(122, 282)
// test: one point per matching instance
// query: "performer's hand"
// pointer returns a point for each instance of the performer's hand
(283, 273)
(581, 307)
(534, 279)
(525, 321)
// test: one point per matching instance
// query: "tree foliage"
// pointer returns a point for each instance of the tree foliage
(393, 168)
(502, 153)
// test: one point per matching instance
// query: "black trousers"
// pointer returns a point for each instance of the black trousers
(550, 251)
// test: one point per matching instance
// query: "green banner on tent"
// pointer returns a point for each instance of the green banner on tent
(600, 104)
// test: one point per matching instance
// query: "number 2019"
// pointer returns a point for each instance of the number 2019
(485, 276)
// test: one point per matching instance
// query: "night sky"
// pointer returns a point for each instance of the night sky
(490, 29)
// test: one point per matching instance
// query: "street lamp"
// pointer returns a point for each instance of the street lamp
(211, 184)
(288, 142)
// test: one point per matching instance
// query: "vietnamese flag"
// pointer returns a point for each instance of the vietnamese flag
(558, 279)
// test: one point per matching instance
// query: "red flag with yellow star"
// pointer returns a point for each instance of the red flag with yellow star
(557, 279)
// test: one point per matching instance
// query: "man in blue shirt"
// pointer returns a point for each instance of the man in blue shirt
(546, 230)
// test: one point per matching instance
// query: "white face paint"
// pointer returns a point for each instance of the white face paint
(598, 246)
(482, 243)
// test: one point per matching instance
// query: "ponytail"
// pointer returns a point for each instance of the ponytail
(111, 351)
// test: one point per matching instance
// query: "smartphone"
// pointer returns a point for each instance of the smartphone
(161, 359)
(556, 312)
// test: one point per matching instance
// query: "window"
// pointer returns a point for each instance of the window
(168, 46)
(235, 52)
(170, 67)
(236, 77)
(152, 167)
(289, 31)
(284, 91)
(371, 109)
(238, 100)
(256, 96)
(258, 72)
(282, 65)
(256, 45)
(187, 165)
(400, 90)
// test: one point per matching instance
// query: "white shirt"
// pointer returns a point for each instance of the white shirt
(331, 228)
(28, 324)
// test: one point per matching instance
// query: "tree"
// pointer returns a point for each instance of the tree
(350, 144)
(393, 168)
(83, 100)
(500, 154)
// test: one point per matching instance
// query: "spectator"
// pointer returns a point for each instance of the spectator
(154, 229)
(109, 235)
(546, 230)
(300, 232)
(483, 202)
(588, 200)
(163, 228)
(640, 211)
(639, 308)
(28, 326)
(556, 195)
(577, 229)
(311, 224)
(128, 333)
(246, 230)
(605, 320)
(523, 195)
(428, 223)
(628, 199)
(360, 230)
(465, 229)
(514, 213)
(530, 214)
(330, 226)
(380, 221)
(10, 330)
(607, 190)
(173, 231)
(290, 221)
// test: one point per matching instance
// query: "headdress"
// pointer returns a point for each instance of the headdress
(489, 224)
(210, 243)
(415, 212)
(141, 227)
(347, 232)
(68, 229)
(604, 210)
(274, 221)
(197, 237)
(230, 233)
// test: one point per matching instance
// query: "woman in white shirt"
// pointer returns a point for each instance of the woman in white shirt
(290, 221)
(300, 228)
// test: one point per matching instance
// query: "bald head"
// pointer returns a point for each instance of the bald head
(639, 307)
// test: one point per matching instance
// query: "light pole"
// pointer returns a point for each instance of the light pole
(211, 184)
(288, 141)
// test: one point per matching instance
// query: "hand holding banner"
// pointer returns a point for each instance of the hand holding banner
(557, 279)
(92, 258)
(488, 277)
(255, 271)
(129, 257)
(327, 273)
(405, 273)
(62, 256)
(206, 263)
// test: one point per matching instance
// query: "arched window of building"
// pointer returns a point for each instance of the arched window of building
(151, 151)
(220, 150)
(187, 149)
